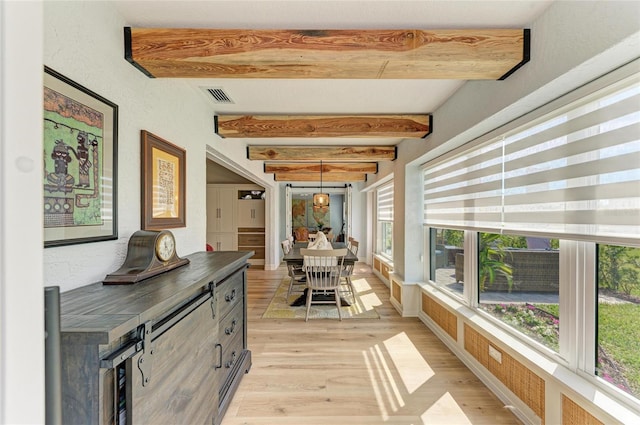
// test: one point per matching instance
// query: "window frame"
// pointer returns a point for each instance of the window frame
(578, 263)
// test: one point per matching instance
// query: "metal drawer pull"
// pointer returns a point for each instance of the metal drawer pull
(232, 361)
(230, 297)
(229, 331)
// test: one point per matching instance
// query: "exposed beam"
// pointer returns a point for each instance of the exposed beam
(322, 153)
(247, 126)
(310, 167)
(467, 54)
(326, 177)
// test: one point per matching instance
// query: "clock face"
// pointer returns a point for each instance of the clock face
(165, 246)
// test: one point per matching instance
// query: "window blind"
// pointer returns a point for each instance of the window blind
(573, 173)
(385, 202)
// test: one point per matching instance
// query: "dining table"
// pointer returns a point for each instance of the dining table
(293, 257)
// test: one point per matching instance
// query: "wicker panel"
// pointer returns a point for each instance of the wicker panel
(525, 384)
(385, 271)
(376, 264)
(439, 314)
(573, 414)
(396, 289)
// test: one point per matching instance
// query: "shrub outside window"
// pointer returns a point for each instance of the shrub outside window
(618, 333)
(519, 284)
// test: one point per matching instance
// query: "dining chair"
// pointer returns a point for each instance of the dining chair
(323, 268)
(297, 276)
(286, 246)
(301, 234)
(347, 270)
(353, 247)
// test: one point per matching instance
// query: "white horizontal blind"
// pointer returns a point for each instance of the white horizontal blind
(466, 191)
(385, 202)
(574, 173)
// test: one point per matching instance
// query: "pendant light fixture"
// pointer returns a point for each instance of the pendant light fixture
(321, 200)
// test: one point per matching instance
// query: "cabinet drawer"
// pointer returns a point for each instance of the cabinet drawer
(258, 251)
(231, 325)
(250, 239)
(230, 356)
(228, 294)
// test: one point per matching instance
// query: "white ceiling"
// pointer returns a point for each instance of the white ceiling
(319, 96)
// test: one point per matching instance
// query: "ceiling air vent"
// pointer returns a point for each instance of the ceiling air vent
(219, 96)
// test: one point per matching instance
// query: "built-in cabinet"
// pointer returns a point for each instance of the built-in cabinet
(168, 349)
(236, 219)
(250, 213)
(221, 218)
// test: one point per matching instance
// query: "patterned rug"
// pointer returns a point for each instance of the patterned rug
(363, 308)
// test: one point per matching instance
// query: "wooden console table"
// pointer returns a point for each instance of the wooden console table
(169, 349)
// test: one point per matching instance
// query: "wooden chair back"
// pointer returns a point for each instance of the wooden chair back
(354, 247)
(323, 267)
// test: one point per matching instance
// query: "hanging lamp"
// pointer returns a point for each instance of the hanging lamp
(320, 200)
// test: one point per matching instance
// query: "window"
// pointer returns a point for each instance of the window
(519, 284)
(447, 259)
(618, 341)
(384, 197)
(550, 205)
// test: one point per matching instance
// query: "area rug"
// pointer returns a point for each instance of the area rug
(363, 307)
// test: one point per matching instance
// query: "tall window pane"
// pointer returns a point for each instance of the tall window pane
(618, 342)
(519, 284)
(447, 259)
(384, 229)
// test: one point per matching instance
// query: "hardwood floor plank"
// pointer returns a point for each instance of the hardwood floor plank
(391, 370)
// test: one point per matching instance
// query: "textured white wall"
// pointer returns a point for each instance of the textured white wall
(84, 42)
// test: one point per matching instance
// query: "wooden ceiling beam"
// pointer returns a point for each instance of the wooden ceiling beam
(414, 126)
(466, 54)
(315, 177)
(322, 153)
(310, 167)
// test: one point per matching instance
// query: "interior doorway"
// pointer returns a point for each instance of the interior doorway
(335, 222)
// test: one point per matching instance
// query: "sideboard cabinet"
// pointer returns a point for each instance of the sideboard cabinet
(169, 349)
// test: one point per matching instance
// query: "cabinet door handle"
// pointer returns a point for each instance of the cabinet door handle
(219, 365)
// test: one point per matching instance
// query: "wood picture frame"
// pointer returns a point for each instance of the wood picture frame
(163, 193)
(80, 158)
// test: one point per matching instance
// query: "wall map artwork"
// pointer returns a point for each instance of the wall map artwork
(80, 157)
(303, 214)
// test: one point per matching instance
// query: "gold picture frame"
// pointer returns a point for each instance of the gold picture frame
(163, 194)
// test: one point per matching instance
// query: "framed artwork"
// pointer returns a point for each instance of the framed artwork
(80, 163)
(163, 183)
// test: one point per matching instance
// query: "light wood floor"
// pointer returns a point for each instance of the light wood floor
(391, 370)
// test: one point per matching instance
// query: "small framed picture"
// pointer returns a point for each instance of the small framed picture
(80, 144)
(163, 183)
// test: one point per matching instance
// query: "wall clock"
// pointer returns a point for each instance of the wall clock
(150, 252)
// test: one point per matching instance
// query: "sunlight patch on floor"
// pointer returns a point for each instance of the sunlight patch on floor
(383, 383)
(445, 410)
(410, 365)
(368, 298)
